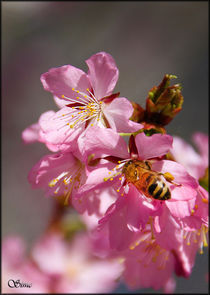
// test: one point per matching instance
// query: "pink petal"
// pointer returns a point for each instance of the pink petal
(31, 133)
(56, 129)
(181, 176)
(120, 236)
(96, 177)
(47, 247)
(152, 146)
(118, 113)
(103, 74)
(137, 210)
(13, 250)
(193, 162)
(60, 81)
(170, 236)
(50, 167)
(181, 208)
(202, 142)
(102, 142)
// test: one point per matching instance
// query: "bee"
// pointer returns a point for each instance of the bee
(147, 181)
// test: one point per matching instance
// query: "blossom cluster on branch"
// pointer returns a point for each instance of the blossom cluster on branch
(141, 194)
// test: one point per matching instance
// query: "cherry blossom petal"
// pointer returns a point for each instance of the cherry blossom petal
(152, 146)
(50, 246)
(116, 220)
(192, 162)
(181, 176)
(148, 268)
(102, 142)
(169, 227)
(202, 142)
(118, 113)
(103, 74)
(53, 168)
(31, 133)
(60, 81)
(56, 129)
(95, 179)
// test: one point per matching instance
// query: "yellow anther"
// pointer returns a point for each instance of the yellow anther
(188, 243)
(62, 96)
(111, 178)
(91, 125)
(168, 176)
(118, 162)
(73, 107)
(55, 192)
(87, 89)
(73, 89)
(118, 190)
(63, 115)
(71, 126)
(120, 178)
(196, 206)
(122, 194)
(105, 179)
(72, 116)
(65, 182)
(77, 91)
(201, 251)
(110, 172)
(205, 201)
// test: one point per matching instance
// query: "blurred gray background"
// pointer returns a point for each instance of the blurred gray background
(146, 39)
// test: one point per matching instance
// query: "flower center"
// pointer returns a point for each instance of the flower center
(65, 182)
(197, 236)
(85, 108)
(151, 252)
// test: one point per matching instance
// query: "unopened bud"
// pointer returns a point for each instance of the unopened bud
(164, 102)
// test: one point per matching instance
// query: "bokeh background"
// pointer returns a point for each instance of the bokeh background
(146, 39)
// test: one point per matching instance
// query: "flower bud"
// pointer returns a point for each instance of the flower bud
(164, 102)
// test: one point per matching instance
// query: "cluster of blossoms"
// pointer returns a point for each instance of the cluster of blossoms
(144, 202)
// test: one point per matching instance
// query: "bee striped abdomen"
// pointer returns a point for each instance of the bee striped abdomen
(155, 187)
(158, 189)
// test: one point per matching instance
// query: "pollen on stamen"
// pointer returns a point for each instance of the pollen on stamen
(63, 96)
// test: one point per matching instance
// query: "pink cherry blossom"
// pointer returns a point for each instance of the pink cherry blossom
(74, 266)
(86, 100)
(58, 174)
(148, 265)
